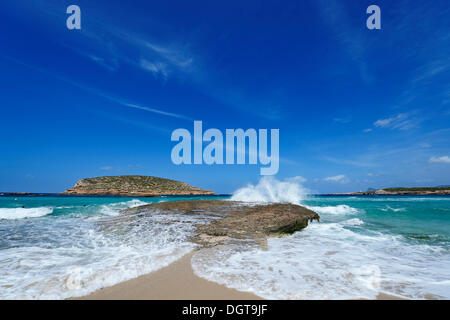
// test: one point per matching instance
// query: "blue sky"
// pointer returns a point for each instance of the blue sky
(356, 108)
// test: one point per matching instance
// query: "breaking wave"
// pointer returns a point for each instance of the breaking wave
(388, 208)
(270, 190)
(339, 209)
(22, 213)
(113, 209)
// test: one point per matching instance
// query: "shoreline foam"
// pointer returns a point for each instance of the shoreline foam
(177, 281)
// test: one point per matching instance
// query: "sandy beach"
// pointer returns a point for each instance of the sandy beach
(174, 282)
(177, 281)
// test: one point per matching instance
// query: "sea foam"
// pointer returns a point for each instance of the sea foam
(21, 213)
(76, 254)
(339, 209)
(330, 261)
(389, 208)
(342, 257)
(113, 209)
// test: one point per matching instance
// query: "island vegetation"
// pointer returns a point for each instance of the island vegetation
(417, 189)
(440, 190)
(134, 186)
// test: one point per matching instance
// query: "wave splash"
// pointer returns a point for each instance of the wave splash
(339, 209)
(22, 213)
(113, 209)
(290, 190)
(270, 190)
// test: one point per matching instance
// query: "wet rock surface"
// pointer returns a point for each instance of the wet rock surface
(233, 222)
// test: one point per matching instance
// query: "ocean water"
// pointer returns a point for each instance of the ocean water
(362, 247)
(60, 247)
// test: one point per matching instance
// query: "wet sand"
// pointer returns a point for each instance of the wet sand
(174, 282)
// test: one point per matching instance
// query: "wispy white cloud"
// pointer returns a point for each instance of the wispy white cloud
(427, 49)
(344, 120)
(106, 168)
(401, 121)
(140, 107)
(297, 179)
(341, 178)
(424, 145)
(100, 93)
(289, 161)
(111, 64)
(432, 69)
(138, 124)
(177, 56)
(351, 162)
(334, 13)
(442, 159)
(165, 113)
(157, 68)
(118, 46)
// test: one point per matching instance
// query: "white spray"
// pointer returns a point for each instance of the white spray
(269, 190)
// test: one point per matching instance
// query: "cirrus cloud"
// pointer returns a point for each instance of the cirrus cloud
(401, 121)
(442, 159)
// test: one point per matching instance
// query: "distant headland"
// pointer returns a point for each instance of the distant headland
(133, 186)
(423, 191)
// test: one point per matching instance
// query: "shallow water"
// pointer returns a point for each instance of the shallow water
(60, 247)
(363, 246)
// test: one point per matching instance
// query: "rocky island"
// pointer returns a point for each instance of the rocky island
(133, 186)
(233, 221)
(420, 191)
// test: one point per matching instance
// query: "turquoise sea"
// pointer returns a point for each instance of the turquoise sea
(60, 247)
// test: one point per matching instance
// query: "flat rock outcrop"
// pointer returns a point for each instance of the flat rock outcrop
(232, 221)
